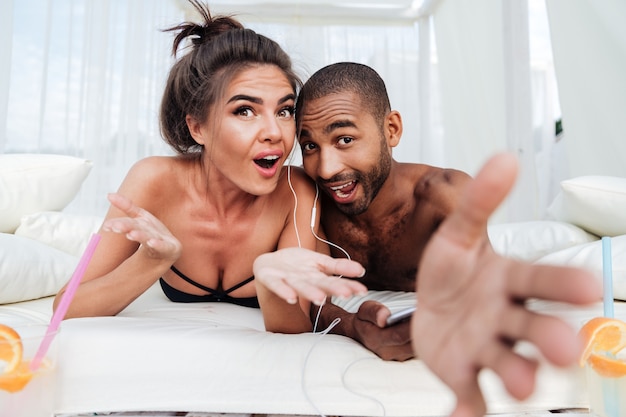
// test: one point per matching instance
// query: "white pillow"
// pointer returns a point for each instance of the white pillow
(30, 269)
(595, 203)
(589, 256)
(37, 182)
(530, 240)
(67, 232)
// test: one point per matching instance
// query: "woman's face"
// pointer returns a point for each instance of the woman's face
(252, 129)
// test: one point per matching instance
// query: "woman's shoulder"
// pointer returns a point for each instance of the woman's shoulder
(157, 167)
(152, 179)
(296, 177)
(154, 163)
(154, 171)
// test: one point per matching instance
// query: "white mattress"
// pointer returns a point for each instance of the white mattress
(162, 356)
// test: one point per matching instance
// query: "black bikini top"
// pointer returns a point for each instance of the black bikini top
(213, 295)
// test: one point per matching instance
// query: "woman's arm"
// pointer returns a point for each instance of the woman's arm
(135, 249)
(296, 274)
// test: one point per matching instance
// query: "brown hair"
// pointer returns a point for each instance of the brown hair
(346, 76)
(220, 48)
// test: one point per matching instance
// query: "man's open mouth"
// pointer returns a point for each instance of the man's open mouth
(344, 190)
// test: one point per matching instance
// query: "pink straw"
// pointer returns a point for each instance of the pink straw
(64, 304)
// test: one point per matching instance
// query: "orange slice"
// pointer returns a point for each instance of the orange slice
(604, 338)
(10, 348)
(607, 366)
(16, 380)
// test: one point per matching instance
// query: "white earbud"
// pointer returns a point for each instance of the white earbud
(313, 214)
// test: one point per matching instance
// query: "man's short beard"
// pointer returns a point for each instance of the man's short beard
(371, 183)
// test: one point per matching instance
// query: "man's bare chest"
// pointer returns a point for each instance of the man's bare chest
(390, 252)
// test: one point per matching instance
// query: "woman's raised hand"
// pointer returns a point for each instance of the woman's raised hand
(142, 227)
(293, 272)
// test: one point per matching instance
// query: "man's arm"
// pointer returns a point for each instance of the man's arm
(368, 327)
(471, 300)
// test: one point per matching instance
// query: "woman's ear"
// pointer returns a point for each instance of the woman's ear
(196, 129)
(393, 128)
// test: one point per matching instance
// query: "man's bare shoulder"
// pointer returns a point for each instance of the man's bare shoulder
(436, 184)
(423, 175)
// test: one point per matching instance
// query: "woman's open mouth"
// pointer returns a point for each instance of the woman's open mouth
(267, 162)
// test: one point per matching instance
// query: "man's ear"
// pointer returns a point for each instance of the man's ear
(393, 128)
(196, 129)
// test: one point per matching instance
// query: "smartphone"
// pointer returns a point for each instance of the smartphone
(401, 315)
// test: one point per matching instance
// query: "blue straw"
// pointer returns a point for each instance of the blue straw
(609, 388)
(607, 274)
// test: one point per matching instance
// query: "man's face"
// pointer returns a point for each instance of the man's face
(344, 150)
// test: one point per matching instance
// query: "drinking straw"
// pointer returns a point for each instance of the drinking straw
(607, 274)
(66, 299)
(608, 385)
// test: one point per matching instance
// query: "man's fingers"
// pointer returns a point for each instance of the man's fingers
(398, 353)
(470, 401)
(556, 283)
(374, 312)
(480, 199)
(516, 372)
(556, 340)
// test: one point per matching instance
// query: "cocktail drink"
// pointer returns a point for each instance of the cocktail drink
(604, 358)
(607, 395)
(25, 392)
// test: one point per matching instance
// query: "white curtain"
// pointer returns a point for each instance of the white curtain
(393, 51)
(85, 78)
(589, 42)
(496, 97)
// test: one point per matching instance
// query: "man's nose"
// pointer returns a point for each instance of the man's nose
(329, 164)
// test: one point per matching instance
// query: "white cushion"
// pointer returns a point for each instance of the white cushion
(589, 256)
(37, 182)
(595, 203)
(30, 269)
(530, 240)
(67, 232)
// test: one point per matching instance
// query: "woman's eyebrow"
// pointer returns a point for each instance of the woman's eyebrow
(287, 98)
(258, 100)
(243, 97)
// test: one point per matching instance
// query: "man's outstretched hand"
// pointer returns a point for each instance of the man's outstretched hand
(471, 300)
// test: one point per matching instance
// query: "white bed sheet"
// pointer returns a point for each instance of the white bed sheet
(161, 356)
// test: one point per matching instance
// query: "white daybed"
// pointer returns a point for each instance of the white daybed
(210, 357)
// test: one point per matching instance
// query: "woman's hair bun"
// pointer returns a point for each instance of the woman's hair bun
(200, 33)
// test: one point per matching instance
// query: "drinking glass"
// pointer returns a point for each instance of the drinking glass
(607, 395)
(37, 397)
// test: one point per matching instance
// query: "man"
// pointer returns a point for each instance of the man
(404, 222)
(381, 212)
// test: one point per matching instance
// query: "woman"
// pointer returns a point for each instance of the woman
(197, 221)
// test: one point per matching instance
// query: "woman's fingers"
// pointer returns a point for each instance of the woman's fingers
(340, 267)
(142, 227)
(308, 274)
(125, 204)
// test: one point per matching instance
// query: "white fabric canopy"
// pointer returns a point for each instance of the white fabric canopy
(85, 79)
(589, 41)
